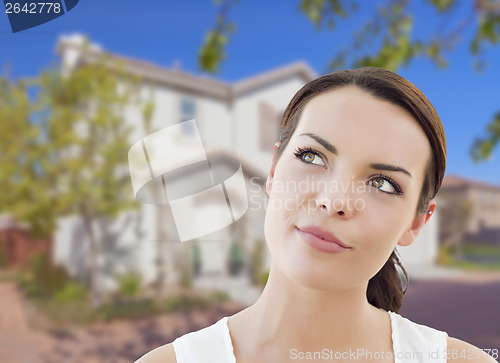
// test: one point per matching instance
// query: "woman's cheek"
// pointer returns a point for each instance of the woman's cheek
(378, 227)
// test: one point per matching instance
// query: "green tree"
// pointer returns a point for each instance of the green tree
(66, 142)
(84, 117)
(388, 39)
(21, 179)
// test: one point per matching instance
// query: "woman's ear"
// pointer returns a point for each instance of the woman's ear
(270, 176)
(418, 223)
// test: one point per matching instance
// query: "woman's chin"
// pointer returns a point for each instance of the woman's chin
(312, 275)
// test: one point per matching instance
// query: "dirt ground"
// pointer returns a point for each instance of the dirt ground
(116, 342)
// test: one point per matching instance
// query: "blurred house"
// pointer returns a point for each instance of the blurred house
(482, 225)
(237, 120)
(422, 253)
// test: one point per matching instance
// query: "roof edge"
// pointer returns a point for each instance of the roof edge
(181, 79)
(300, 68)
(453, 180)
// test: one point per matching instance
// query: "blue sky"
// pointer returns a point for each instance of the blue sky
(269, 34)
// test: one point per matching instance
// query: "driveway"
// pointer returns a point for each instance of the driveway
(466, 307)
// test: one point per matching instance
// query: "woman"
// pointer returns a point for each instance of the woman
(371, 149)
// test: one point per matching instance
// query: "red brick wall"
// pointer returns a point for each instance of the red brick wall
(17, 246)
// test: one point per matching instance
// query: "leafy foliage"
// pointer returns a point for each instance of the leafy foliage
(24, 188)
(387, 39)
(64, 146)
(212, 53)
(65, 143)
(320, 11)
(87, 140)
(483, 147)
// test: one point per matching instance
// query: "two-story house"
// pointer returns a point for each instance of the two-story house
(237, 121)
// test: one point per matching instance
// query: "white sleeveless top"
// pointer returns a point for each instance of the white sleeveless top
(411, 343)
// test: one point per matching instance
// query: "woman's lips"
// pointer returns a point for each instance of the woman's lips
(321, 239)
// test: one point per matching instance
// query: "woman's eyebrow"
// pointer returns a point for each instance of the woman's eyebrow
(380, 166)
(376, 166)
(321, 141)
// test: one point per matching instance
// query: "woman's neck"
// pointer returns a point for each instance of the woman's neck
(298, 317)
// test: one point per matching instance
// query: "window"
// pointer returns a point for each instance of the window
(188, 112)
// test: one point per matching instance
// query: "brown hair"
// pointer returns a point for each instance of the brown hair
(384, 289)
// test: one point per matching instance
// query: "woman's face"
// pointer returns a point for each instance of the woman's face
(345, 189)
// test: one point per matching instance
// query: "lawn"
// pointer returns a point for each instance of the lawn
(475, 257)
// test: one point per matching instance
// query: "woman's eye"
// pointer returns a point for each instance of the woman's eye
(310, 157)
(384, 185)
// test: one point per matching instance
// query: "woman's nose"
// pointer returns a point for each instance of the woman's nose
(336, 198)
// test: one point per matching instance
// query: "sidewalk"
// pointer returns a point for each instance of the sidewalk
(17, 342)
(435, 272)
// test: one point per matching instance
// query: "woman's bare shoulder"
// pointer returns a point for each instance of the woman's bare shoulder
(462, 352)
(163, 354)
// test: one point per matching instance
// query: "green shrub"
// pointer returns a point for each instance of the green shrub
(71, 292)
(445, 255)
(41, 279)
(219, 296)
(175, 303)
(28, 283)
(129, 284)
(172, 304)
(127, 309)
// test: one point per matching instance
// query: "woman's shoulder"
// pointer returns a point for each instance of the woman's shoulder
(207, 344)
(163, 354)
(455, 350)
(462, 352)
(416, 334)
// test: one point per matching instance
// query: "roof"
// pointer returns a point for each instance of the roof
(180, 79)
(458, 182)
